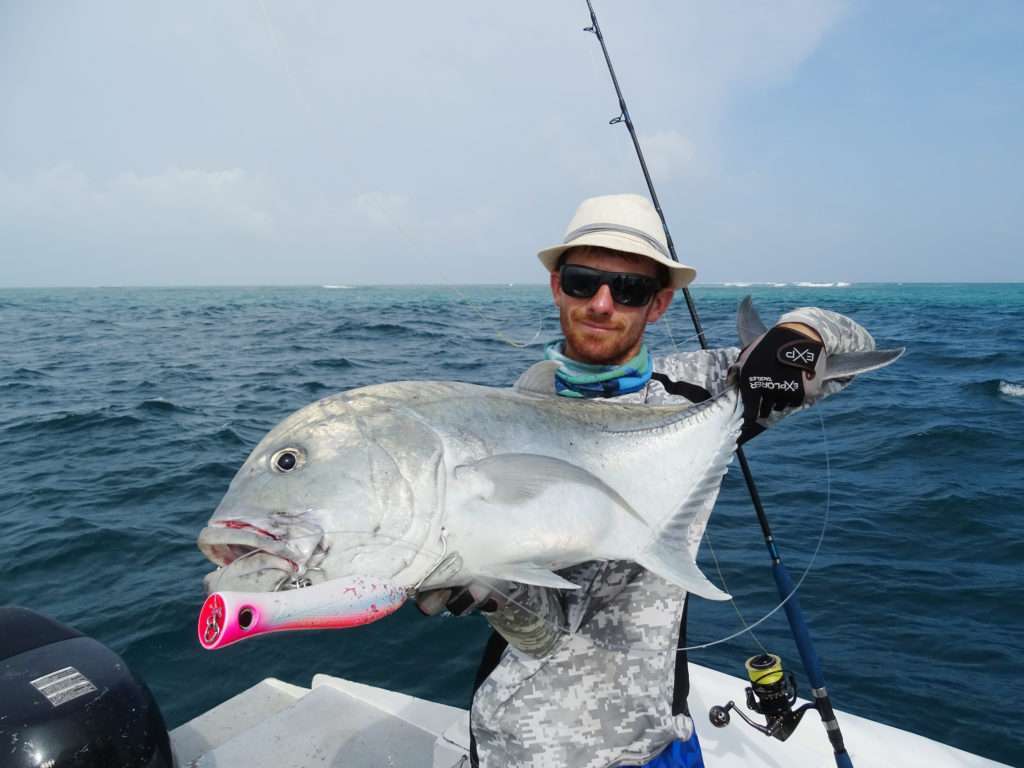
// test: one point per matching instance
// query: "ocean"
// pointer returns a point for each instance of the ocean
(124, 413)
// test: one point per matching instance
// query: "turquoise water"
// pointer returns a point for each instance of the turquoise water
(125, 412)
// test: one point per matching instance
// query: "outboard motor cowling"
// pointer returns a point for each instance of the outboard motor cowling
(68, 701)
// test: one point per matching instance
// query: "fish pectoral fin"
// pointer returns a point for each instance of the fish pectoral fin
(527, 573)
(678, 568)
(845, 364)
(518, 477)
(538, 379)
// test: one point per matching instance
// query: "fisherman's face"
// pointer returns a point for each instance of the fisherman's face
(597, 330)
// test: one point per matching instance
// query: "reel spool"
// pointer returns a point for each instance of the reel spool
(771, 694)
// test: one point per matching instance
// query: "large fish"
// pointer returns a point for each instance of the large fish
(370, 495)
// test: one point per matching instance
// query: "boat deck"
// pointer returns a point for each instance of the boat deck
(340, 724)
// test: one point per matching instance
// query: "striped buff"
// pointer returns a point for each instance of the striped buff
(576, 379)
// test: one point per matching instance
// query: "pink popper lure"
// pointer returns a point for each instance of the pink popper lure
(228, 617)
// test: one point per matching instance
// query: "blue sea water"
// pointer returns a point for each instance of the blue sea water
(124, 414)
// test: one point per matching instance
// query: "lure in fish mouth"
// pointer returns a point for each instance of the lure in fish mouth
(253, 557)
(271, 582)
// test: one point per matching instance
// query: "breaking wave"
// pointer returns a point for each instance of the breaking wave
(1011, 389)
(748, 285)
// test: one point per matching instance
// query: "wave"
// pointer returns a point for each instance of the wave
(748, 285)
(1011, 389)
(337, 287)
(160, 405)
(335, 362)
(995, 388)
(839, 284)
(65, 422)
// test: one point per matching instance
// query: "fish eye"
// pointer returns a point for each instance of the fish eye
(285, 460)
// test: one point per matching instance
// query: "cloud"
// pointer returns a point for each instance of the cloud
(224, 200)
(459, 135)
(180, 201)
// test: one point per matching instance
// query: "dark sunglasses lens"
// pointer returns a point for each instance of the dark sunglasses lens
(632, 290)
(580, 283)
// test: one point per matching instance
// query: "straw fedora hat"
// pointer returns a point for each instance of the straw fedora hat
(626, 223)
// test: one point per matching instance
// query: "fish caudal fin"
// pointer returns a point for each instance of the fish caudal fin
(678, 568)
(842, 365)
(749, 325)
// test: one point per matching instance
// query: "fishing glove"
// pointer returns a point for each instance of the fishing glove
(776, 371)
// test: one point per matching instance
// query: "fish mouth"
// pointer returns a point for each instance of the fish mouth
(250, 557)
(224, 546)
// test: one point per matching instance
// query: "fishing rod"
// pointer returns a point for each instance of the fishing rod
(771, 694)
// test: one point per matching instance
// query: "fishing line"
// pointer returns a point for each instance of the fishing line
(725, 586)
(395, 223)
(810, 564)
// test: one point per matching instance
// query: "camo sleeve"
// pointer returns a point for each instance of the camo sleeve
(707, 368)
(532, 619)
(840, 334)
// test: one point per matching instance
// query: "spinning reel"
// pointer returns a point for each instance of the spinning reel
(772, 694)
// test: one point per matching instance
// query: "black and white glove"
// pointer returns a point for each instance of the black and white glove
(778, 371)
(461, 601)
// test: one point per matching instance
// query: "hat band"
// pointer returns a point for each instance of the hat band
(622, 229)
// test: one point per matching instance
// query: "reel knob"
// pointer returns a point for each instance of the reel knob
(719, 716)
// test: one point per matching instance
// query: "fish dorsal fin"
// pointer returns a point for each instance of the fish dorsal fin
(538, 379)
(527, 573)
(748, 323)
(845, 364)
(519, 477)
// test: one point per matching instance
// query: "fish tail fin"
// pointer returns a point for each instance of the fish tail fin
(749, 324)
(845, 364)
(680, 569)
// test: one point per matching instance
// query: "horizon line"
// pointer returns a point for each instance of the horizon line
(500, 284)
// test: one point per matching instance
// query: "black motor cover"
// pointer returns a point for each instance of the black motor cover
(67, 700)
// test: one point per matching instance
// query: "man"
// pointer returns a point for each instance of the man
(591, 678)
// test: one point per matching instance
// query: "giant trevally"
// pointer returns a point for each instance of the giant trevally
(370, 495)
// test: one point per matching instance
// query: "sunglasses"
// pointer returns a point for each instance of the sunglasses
(628, 288)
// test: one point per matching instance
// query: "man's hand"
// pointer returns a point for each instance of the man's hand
(461, 601)
(777, 370)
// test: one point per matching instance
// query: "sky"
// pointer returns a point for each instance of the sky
(276, 143)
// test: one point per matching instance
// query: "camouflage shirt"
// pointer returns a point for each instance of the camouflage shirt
(587, 679)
